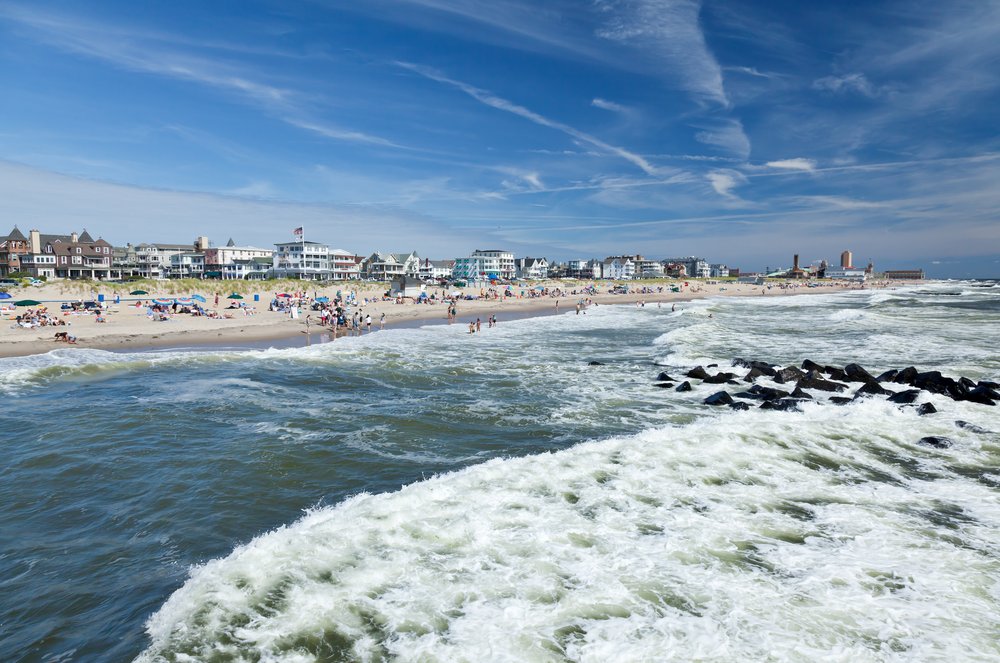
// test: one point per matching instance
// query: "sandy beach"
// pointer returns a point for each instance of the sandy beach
(128, 326)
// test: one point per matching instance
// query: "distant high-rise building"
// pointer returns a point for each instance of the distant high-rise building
(845, 260)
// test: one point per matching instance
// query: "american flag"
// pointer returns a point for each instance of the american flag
(297, 231)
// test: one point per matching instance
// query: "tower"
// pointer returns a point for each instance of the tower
(845, 260)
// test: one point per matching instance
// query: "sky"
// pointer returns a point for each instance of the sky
(739, 131)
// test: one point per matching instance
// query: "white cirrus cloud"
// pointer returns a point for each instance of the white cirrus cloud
(725, 180)
(798, 163)
(855, 82)
(608, 105)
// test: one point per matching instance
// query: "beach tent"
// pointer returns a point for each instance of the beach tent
(138, 292)
(198, 298)
(27, 302)
(322, 300)
(234, 296)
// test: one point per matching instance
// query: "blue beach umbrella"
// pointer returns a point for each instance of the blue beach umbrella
(5, 295)
(163, 302)
(198, 298)
(322, 300)
(184, 301)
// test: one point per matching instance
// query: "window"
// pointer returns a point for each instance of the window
(77, 250)
(77, 259)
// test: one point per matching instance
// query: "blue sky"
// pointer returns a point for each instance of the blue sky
(740, 131)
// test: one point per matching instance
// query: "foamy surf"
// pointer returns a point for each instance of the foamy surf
(826, 534)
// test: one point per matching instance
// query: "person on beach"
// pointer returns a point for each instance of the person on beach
(381, 322)
(479, 325)
(472, 328)
(368, 322)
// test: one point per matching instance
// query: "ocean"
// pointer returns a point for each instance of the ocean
(523, 494)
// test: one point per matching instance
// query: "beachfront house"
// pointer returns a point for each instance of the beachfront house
(233, 262)
(248, 269)
(436, 269)
(584, 269)
(381, 266)
(302, 260)
(619, 267)
(693, 267)
(485, 264)
(190, 265)
(718, 270)
(345, 265)
(648, 269)
(531, 268)
(12, 247)
(152, 261)
(67, 256)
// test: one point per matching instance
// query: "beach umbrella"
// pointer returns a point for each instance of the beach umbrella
(4, 295)
(198, 298)
(27, 302)
(283, 294)
(322, 300)
(138, 292)
(234, 296)
(184, 301)
(163, 301)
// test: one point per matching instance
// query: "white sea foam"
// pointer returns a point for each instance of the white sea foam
(825, 534)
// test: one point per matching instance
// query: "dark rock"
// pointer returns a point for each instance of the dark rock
(664, 385)
(988, 384)
(719, 378)
(888, 376)
(905, 376)
(812, 380)
(856, 373)
(698, 373)
(933, 382)
(762, 367)
(810, 365)
(798, 393)
(840, 400)
(972, 428)
(788, 374)
(981, 395)
(935, 441)
(739, 406)
(748, 395)
(907, 396)
(967, 383)
(712, 366)
(837, 374)
(719, 398)
(767, 393)
(872, 388)
(683, 386)
(754, 373)
(784, 404)
(925, 409)
(663, 377)
(595, 363)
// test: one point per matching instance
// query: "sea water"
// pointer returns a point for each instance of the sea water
(426, 494)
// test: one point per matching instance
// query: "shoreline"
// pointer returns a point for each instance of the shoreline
(128, 330)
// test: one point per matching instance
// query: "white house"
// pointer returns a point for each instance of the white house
(385, 266)
(531, 268)
(345, 265)
(302, 260)
(188, 265)
(618, 267)
(436, 269)
(485, 264)
(648, 269)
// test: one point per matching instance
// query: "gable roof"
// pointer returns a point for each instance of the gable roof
(16, 235)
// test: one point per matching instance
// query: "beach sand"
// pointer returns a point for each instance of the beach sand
(129, 328)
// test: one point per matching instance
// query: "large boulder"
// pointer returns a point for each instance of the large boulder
(761, 367)
(720, 378)
(664, 385)
(784, 404)
(936, 441)
(736, 405)
(698, 373)
(798, 393)
(872, 388)
(755, 373)
(812, 380)
(981, 395)
(926, 408)
(907, 396)
(788, 374)
(719, 398)
(836, 374)
(934, 382)
(972, 428)
(767, 393)
(888, 376)
(840, 400)
(683, 386)
(906, 376)
(810, 365)
(855, 373)
(664, 377)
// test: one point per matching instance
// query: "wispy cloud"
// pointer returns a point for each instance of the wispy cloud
(807, 165)
(751, 71)
(726, 134)
(489, 99)
(338, 133)
(671, 32)
(854, 82)
(604, 104)
(725, 180)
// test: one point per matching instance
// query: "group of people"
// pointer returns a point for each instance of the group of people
(477, 326)
(39, 317)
